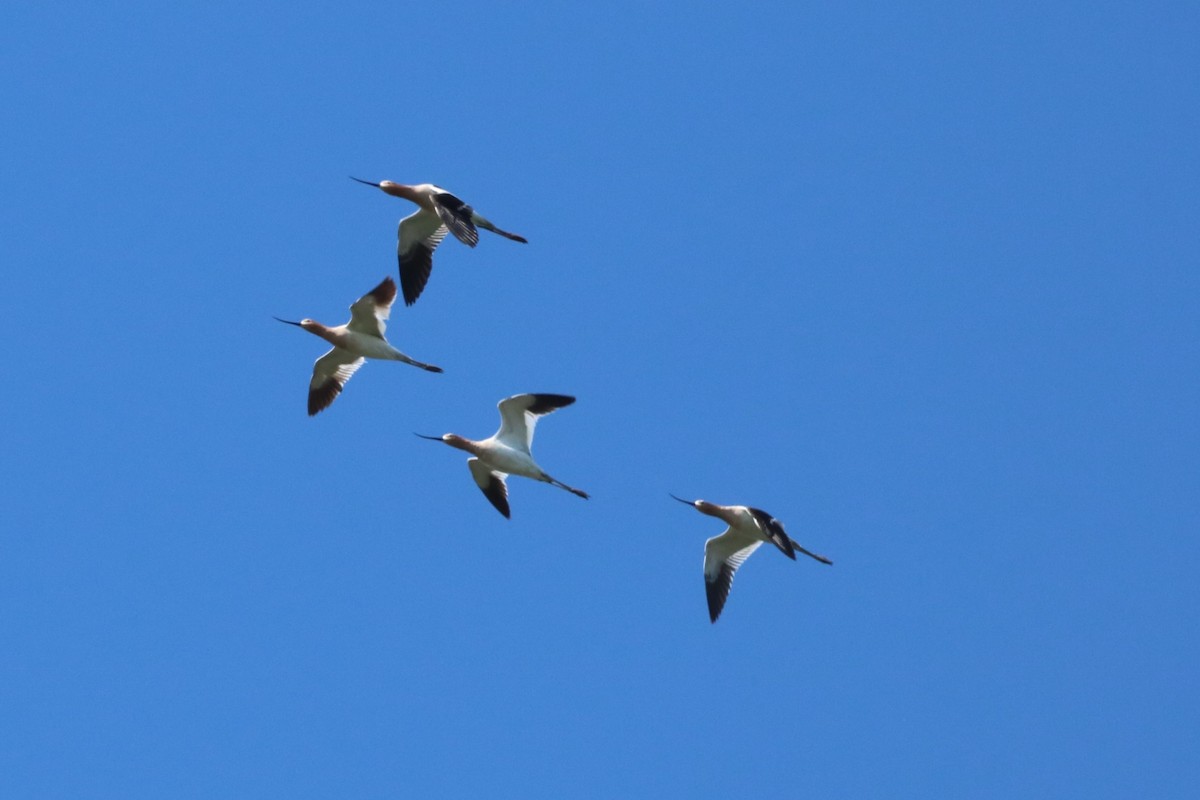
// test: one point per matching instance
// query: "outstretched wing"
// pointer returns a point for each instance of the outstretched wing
(519, 415)
(722, 556)
(369, 313)
(492, 483)
(418, 236)
(330, 373)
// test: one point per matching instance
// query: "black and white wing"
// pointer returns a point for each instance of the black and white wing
(773, 530)
(519, 415)
(369, 313)
(492, 483)
(418, 236)
(457, 216)
(722, 556)
(330, 373)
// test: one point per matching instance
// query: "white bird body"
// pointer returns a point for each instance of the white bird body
(360, 344)
(359, 339)
(501, 457)
(508, 451)
(748, 529)
(419, 234)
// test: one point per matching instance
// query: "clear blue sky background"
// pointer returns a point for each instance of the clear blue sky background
(920, 281)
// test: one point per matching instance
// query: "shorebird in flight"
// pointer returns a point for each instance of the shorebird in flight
(748, 528)
(360, 338)
(422, 231)
(508, 451)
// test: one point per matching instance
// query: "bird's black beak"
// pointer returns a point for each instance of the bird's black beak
(289, 322)
(360, 180)
(430, 438)
(685, 502)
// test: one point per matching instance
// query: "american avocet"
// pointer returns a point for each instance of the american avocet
(358, 339)
(748, 528)
(422, 231)
(507, 452)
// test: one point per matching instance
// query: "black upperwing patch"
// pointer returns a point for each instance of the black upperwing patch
(774, 529)
(545, 403)
(384, 294)
(456, 215)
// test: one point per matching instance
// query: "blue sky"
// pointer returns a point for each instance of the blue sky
(920, 281)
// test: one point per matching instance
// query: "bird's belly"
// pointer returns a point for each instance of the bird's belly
(511, 461)
(368, 346)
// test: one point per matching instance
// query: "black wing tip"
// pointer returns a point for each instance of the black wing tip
(717, 591)
(415, 266)
(548, 402)
(385, 293)
(500, 502)
(716, 603)
(412, 288)
(497, 494)
(322, 397)
(432, 368)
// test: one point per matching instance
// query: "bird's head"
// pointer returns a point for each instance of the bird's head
(703, 506)
(451, 439)
(389, 187)
(306, 323)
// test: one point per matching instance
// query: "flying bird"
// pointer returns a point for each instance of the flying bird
(748, 528)
(360, 338)
(508, 451)
(422, 231)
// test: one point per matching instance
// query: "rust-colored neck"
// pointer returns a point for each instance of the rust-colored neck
(326, 333)
(461, 443)
(403, 191)
(714, 510)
